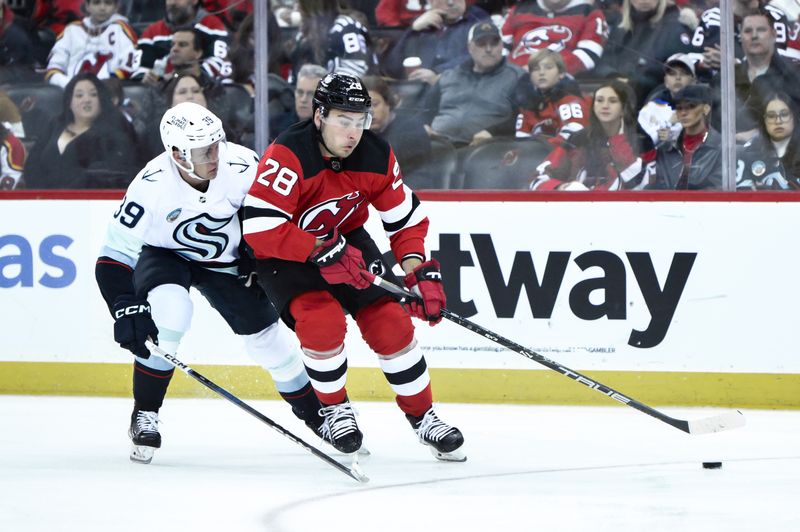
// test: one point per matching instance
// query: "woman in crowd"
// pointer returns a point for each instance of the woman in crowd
(404, 132)
(693, 161)
(90, 145)
(771, 160)
(611, 153)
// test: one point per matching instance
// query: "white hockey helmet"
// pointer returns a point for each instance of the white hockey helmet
(188, 126)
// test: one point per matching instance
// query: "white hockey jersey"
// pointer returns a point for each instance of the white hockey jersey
(160, 209)
(107, 51)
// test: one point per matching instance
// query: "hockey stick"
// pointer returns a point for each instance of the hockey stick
(717, 423)
(353, 472)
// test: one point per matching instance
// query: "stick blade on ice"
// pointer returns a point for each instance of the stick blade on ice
(718, 423)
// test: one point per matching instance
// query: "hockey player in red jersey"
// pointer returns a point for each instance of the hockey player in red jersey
(576, 29)
(304, 218)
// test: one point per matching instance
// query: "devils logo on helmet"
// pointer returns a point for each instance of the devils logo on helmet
(320, 219)
(555, 37)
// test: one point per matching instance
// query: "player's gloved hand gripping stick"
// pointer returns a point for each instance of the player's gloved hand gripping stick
(717, 423)
(425, 281)
(133, 324)
(339, 262)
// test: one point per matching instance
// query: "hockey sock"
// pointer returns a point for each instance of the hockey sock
(305, 403)
(408, 376)
(150, 386)
(328, 374)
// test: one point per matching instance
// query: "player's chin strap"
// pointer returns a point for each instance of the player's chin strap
(189, 171)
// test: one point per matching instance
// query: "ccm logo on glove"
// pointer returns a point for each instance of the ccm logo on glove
(133, 309)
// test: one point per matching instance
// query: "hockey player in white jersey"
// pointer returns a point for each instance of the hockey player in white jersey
(178, 227)
(102, 43)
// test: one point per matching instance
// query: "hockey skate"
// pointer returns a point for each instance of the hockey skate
(443, 440)
(339, 428)
(144, 435)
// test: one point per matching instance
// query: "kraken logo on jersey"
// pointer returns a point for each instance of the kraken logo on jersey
(320, 219)
(202, 237)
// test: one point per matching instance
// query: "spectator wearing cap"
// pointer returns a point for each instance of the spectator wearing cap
(657, 116)
(650, 32)
(438, 37)
(475, 100)
(771, 160)
(692, 161)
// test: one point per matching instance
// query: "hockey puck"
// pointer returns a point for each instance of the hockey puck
(712, 465)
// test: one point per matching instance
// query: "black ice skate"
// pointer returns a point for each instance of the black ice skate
(443, 440)
(144, 435)
(339, 428)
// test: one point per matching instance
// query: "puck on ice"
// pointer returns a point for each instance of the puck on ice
(712, 465)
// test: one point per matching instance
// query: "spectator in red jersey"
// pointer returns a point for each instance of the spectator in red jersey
(398, 13)
(611, 153)
(574, 28)
(650, 31)
(438, 37)
(771, 160)
(12, 159)
(155, 42)
(552, 104)
(694, 160)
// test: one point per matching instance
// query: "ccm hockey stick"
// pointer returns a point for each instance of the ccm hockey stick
(353, 472)
(717, 423)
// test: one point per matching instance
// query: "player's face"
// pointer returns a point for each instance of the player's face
(304, 97)
(607, 105)
(206, 161)
(778, 120)
(676, 78)
(758, 37)
(380, 111)
(100, 10)
(183, 51)
(341, 130)
(545, 74)
(486, 52)
(85, 103)
(188, 90)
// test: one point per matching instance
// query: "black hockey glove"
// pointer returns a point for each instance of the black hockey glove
(133, 324)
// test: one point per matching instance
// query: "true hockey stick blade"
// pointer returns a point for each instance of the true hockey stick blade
(717, 423)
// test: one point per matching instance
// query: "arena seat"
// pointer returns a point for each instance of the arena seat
(437, 171)
(38, 103)
(504, 164)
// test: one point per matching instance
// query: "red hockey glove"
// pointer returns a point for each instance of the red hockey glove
(426, 282)
(340, 263)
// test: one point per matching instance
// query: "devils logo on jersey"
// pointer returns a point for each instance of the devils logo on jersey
(320, 219)
(555, 37)
(94, 62)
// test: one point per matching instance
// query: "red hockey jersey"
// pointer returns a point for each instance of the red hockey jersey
(557, 119)
(578, 32)
(300, 196)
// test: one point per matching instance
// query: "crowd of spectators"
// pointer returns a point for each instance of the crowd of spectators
(623, 94)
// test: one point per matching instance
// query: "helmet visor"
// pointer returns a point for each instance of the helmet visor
(347, 120)
(207, 154)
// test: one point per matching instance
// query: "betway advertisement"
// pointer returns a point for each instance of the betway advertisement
(673, 286)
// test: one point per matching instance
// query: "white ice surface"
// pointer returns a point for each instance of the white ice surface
(64, 467)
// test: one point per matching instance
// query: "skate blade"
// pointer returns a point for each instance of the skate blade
(142, 454)
(453, 456)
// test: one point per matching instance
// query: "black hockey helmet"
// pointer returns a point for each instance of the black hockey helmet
(342, 91)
